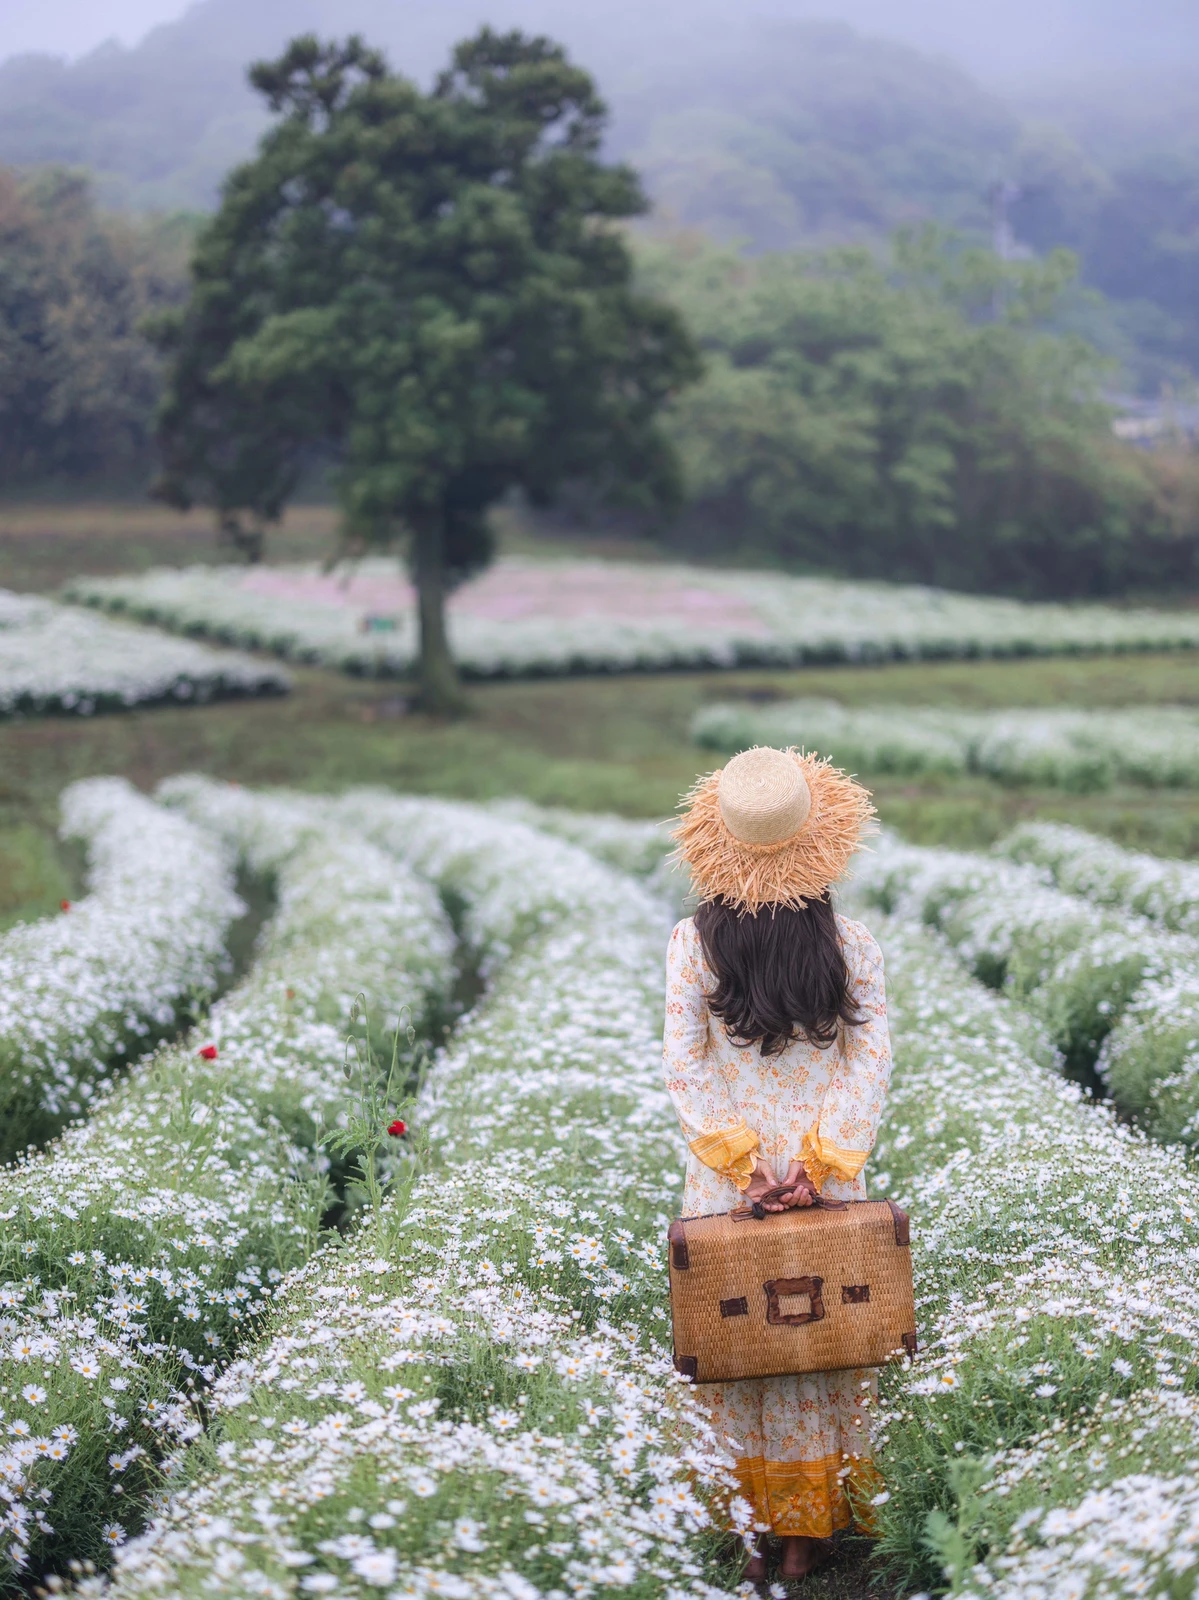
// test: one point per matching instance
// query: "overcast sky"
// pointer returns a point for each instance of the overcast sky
(1020, 37)
(72, 27)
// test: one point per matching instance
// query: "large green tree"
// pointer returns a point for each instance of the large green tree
(430, 289)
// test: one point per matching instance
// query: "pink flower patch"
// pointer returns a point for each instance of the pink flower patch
(515, 592)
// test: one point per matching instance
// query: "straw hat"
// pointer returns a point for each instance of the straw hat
(772, 828)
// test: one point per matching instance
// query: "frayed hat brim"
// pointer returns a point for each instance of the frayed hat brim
(799, 869)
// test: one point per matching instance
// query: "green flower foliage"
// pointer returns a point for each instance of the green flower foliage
(138, 1250)
(1055, 1303)
(84, 992)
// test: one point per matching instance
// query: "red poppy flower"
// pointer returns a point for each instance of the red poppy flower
(208, 1053)
(64, 905)
(397, 1129)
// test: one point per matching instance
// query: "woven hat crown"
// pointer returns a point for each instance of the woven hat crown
(772, 828)
(764, 797)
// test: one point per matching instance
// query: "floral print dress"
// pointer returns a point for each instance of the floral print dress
(801, 1444)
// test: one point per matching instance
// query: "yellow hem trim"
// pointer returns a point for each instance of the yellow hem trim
(809, 1499)
(822, 1159)
(729, 1151)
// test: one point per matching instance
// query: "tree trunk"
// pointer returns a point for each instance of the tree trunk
(248, 542)
(439, 689)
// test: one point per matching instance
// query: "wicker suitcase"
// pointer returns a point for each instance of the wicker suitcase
(816, 1289)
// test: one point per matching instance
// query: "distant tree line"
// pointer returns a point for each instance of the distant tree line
(908, 416)
(428, 293)
(79, 382)
(1134, 224)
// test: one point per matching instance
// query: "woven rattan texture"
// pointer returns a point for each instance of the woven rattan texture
(797, 1291)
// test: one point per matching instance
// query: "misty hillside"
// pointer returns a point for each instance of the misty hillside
(776, 131)
(772, 132)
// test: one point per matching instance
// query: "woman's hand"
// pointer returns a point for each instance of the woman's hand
(798, 1189)
(761, 1182)
(803, 1190)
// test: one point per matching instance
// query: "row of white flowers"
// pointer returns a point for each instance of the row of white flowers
(642, 849)
(138, 1248)
(1078, 750)
(430, 1417)
(1150, 1058)
(1059, 1316)
(63, 659)
(119, 968)
(1118, 992)
(1083, 863)
(772, 620)
(1053, 1421)
(475, 1399)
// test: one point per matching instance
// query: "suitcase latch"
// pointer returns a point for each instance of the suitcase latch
(781, 1297)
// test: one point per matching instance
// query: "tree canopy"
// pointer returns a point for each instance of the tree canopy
(78, 383)
(908, 417)
(428, 289)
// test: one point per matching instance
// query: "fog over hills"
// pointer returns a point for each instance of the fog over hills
(1022, 41)
(711, 100)
(793, 121)
(711, 94)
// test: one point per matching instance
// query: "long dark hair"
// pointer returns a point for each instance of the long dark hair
(780, 974)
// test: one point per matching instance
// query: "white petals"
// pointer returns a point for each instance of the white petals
(552, 1131)
(523, 616)
(59, 658)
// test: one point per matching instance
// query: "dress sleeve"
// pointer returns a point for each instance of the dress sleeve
(714, 1131)
(839, 1142)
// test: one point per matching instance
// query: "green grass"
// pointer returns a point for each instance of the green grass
(37, 873)
(616, 744)
(41, 546)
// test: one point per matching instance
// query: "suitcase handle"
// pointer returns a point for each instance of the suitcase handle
(758, 1209)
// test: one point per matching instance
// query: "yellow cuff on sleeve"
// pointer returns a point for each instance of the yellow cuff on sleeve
(729, 1151)
(822, 1159)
